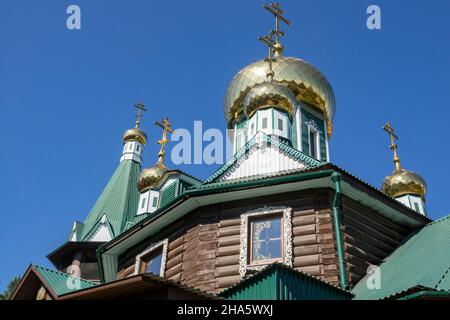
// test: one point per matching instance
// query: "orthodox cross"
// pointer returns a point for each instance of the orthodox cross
(268, 40)
(140, 106)
(276, 10)
(388, 128)
(165, 125)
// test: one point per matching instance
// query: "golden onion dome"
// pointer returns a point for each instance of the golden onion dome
(403, 182)
(149, 177)
(269, 94)
(307, 84)
(135, 134)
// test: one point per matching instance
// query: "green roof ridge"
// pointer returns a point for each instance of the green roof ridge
(57, 280)
(118, 200)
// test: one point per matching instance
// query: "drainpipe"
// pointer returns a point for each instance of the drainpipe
(336, 178)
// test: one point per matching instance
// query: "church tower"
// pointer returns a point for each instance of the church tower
(150, 177)
(134, 139)
(112, 213)
(282, 97)
(407, 187)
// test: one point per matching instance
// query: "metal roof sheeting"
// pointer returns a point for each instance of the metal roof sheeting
(280, 282)
(421, 260)
(118, 200)
(60, 282)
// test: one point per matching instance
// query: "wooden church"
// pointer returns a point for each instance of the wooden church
(277, 221)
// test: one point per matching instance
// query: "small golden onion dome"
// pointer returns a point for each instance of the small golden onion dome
(306, 82)
(403, 182)
(149, 177)
(135, 134)
(269, 94)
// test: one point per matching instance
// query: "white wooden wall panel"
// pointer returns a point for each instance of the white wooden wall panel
(259, 162)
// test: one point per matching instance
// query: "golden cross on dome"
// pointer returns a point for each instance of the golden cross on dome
(165, 125)
(268, 40)
(388, 128)
(140, 106)
(276, 10)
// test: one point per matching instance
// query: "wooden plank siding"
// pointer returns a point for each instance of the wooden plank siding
(368, 238)
(204, 246)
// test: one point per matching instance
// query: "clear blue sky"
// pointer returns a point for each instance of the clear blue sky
(66, 96)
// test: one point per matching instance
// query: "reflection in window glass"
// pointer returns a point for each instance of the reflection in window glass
(266, 242)
(313, 144)
(153, 265)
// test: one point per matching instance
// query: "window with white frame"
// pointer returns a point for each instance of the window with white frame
(314, 140)
(143, 202)
(153, 259)
(266, 237)
(264, 123)
(280, 124)
(155, 201)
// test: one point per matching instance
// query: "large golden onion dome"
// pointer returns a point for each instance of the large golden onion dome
(307, 84)
(403, 182)
(149, 177)
(135, 134)
(269, 94)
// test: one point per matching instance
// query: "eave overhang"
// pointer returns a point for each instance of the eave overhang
(30, 282)
(138, 284)
(318, 177)
(70, 248)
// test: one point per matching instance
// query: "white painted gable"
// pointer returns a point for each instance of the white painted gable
(101, 232)
(262, 159)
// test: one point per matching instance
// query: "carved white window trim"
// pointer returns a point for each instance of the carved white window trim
(313, 124)
(286, 212)
(139, 258)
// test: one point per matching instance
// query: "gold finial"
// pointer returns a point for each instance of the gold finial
(388, 128)
(276, 10)
(140, 106)
(268, 40)
(165, 125)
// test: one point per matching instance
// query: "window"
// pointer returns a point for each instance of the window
(416, 205)
(137, 148)
(153, 259)
(130, 147)
(313, 143)
(143, 203)
(266, 242)
(152, 263)
(266, 237)
(253, 128)
(264, 123)
(280, 124)
(155, 201)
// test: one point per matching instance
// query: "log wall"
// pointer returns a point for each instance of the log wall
(368, 238)
(204, 246)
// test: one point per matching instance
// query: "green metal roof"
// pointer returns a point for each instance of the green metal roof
(280, 282)
(118, 201)
(428, 295)
(60, 282)
(184, 203)
(422, 260)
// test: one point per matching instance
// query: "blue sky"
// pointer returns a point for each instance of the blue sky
(66, 96)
